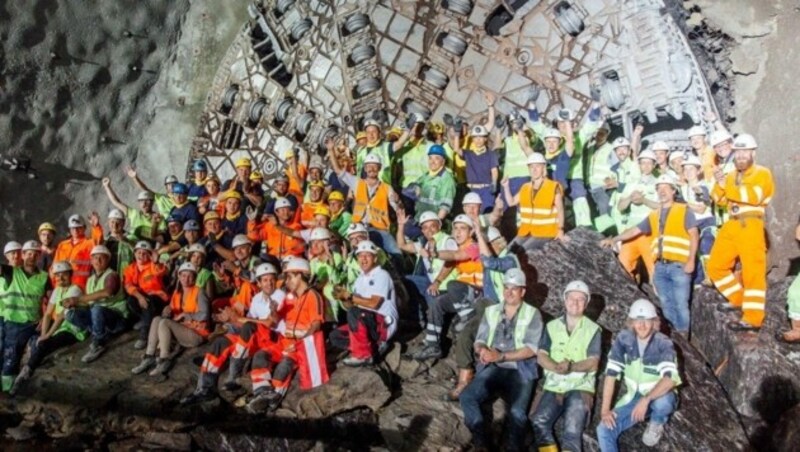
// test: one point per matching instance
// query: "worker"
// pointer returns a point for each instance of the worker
(461, 293)
(413, 154)
(173, 235)
(541, 207)
(662, 153)
(673, 235)
(327, 268)
(702, 149)
(210, 201)
(206, 279)
(473, 206)
(117, 241)
(372, 317)
(517, 147)
(384, 150)
(792, 336)
(184, 320)
(356, 234)
(746, 193)
(24, 287)
(197, 186)
(340, 217)
(676, 159)
(239, 271)
(569, 354)
(139, 220)
(602, 179)
(145, 286)
(251, 333)
(697, 196)
(176, 250)
(302, 342)
(507, 343)
(316, 193)
(102, 310)
(162, 202)
(636, 203)
(433, 192)
(625, 171)
(278, 244)
(482, 165)
(234, 222)
(496, 260)
(76, 250)
(47, 236)
(315, 174)
(217, 241)
(649, 364)
(253, 194)
(280, 189)
(55, 330)
(183, 210)
(722, 141)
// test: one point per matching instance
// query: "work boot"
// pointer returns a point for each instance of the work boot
(792, 336)
(262, 399)
(235, 367)
(741, 325)
(162, 367)
(140, 344)
(652, 434)
(352, 361)
(206, 389)
(727, 307)
(464, 378)
(95, 350)
(138, 326)
(462, 322)
(23, 376)
(428, 351)
(148, 362)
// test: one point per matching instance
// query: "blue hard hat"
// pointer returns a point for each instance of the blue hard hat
(191, 225)
(180, 189)
(199, 165)
(172, 218)
(437, 149)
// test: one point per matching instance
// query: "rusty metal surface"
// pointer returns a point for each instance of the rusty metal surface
(300, 71)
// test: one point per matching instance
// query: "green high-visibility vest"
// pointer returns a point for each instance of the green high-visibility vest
(22, 299)
(140, 225)
(59, 294)
(516, 162)
(124, 256)
(573, 347)
(641, 379)
(525, 316)
(163, 204)
(600, 165)
(115, 302)
(341, 223)
(415, 162)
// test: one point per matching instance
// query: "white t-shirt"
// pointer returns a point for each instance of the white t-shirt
(260, 307)
(378, 282)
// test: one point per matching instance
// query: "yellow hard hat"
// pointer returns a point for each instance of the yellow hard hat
(318, 183)
(336, 196)
(256, 175)
(230, 194)
(436, 127)
(211, 215)
(322, 210)
(244, 162)
(47, 227)
(361, 136)
(394, 132)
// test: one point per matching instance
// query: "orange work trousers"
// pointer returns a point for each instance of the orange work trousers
(633, 249)
(742, 239)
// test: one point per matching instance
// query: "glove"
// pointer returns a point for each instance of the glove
(251, 213)
(458, 124)
(564, 114)
(499, 121)
(596, 93)
(448, 119)
(533, 93)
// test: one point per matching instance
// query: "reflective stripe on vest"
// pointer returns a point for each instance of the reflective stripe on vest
(525, 315)
(22, 299)
(640, 378)
(470, 271)
(537, 210)
(377, 207)
(672, 241)
(573, 347)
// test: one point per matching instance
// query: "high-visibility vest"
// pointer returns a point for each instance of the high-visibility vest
(415, 162)
(516, 162)
(149, 279)
(537, 210)
(79, 256)
(377, 206)
(22, 299)
(573, 347)
(307, 210)
(469, 271)
(641, 378)
(750, 195)
(59, 294)
(525, 316)
(278, 244)
(245, 289)
(125, 255)
(116, 301)
(436, 265)
(672, 243)
(602, 160)
(185, 301)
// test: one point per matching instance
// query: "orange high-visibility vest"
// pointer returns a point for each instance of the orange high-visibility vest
(750, 195)
(279, 244)
(673, 242)
(79, 256)
(308, 208)
(537, 210)
(378, 205)
(469, 271)
(188, 304)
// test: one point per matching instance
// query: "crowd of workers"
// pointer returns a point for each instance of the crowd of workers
(319, 260)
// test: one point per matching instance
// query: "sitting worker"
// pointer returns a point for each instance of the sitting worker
(506, 344)
(279, 244)
(569, 353)
(144, 283)
(371, 311)
(647, 360)
(237, 275)
(473, 208)
(327, 268)
(340, 217)
(184, 320)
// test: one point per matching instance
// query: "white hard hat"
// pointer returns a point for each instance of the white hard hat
(61, 267)
(366, 246)
(296, 264)
(666, 179)
(676, 155)
(11, 247)
(145, 195)
(471, 198)
(187, 267)
(697, 130)
(100, 249)
(75, 221)
(642, 309)
(282, 202)
(493, 234)
(577, 286)
(719, 137)
(660, 146)
(240, 240)
(745, 141)
(116, 214)
(619, 142)
(357, 228)
(514, 277)
(171, 179)
(196, 248)
(142, 245)
(371, 122)
(320, 234)
(479, 131)
(692, 160)
(536, 159)
(463, 219)
(373, 158)
(552, 133)
(265, 269)
(31, 245)
(428, 216)
(647, 154)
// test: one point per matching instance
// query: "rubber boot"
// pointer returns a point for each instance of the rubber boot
(464, 378)
(583, 214)
(235, 367)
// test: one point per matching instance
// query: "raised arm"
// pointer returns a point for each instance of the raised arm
(115, 201)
